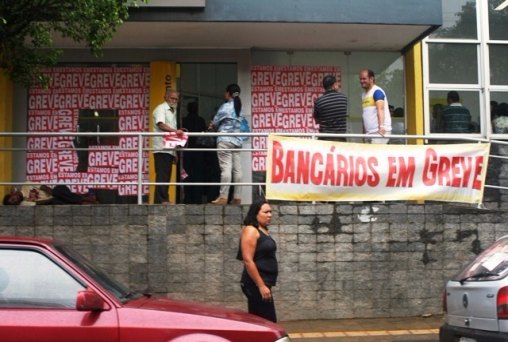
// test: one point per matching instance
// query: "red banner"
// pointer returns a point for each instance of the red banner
(283, 101)
(88, 99)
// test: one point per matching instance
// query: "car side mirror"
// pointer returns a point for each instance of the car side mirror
(89, 300)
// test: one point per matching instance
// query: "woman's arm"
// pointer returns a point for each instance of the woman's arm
(249, 240)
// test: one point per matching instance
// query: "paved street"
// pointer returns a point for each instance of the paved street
(405, 329)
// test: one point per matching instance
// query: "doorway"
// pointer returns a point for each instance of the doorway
(202, 87)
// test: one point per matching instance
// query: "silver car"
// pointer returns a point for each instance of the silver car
(476, 300)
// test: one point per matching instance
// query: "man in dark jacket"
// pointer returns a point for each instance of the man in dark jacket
(455, 118)
(330, 109)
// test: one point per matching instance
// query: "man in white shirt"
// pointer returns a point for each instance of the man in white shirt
(164, 120)
(376, 112)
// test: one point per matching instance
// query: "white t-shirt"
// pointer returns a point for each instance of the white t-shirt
(370, 118)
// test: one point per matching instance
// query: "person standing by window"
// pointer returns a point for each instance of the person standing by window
(227, 120)
(455, 117)
(258, 252)
(500, 123)
(376, 112)
(330, 109)
(164, 120)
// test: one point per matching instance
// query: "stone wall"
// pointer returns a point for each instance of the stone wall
(336, 260)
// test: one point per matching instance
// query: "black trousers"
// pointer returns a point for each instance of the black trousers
(63, 195)
(163, 163)
(194, 164)
(255, 303)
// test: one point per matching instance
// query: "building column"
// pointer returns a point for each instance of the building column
(414, 92)
(6, 113)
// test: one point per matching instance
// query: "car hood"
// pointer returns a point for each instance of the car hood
(204, 312)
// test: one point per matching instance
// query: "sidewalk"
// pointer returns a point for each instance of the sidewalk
(366, 329)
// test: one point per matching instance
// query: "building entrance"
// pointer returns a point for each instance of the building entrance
(202, 87)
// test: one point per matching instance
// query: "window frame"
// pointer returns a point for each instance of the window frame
(50, 260)
(484, 86)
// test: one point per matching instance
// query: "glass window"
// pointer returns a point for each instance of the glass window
(459, 20)
(453, 63)
(499, 111)
(30, 279)
(115, 287)
(498, 64)
(491, 264)
(498, 21)
(458, 117)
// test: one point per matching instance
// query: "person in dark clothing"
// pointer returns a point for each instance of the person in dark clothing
(194, 161)
(455, 117)
(258, 252)
(330, 109)
(43, 194)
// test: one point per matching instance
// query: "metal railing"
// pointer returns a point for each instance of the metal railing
(141, 147)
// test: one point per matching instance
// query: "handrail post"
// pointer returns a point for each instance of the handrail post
(140, 169)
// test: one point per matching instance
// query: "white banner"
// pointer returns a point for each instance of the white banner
(316, 170)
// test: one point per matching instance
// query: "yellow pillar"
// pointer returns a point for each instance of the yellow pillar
(414, 92)
(6, 94)
(163, 76)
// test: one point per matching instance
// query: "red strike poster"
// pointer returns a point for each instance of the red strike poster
(88, 99)
(283, 101)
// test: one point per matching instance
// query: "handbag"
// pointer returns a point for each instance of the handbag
(206, 141)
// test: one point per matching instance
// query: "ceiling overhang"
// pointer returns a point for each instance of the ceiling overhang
(261, 36)
(367, 25)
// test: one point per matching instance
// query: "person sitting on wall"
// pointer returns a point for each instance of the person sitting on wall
(42, 194)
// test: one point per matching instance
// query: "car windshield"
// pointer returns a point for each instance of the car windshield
(119, 290)
(491, 264)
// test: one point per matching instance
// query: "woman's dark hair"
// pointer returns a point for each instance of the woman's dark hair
(6, 200)
(251, 218)
(234, 90)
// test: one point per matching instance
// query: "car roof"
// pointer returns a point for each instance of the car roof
(29, 240)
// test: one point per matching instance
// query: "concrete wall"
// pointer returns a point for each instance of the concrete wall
(336, 260)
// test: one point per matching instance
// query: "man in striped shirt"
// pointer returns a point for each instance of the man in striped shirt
(330, 110)
(455, 118)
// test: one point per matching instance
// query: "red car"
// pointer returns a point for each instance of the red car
(48, 292)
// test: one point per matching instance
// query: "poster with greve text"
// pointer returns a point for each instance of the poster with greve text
(283, 101)
(89, 100)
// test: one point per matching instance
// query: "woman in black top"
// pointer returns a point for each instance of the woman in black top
(257, 250)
